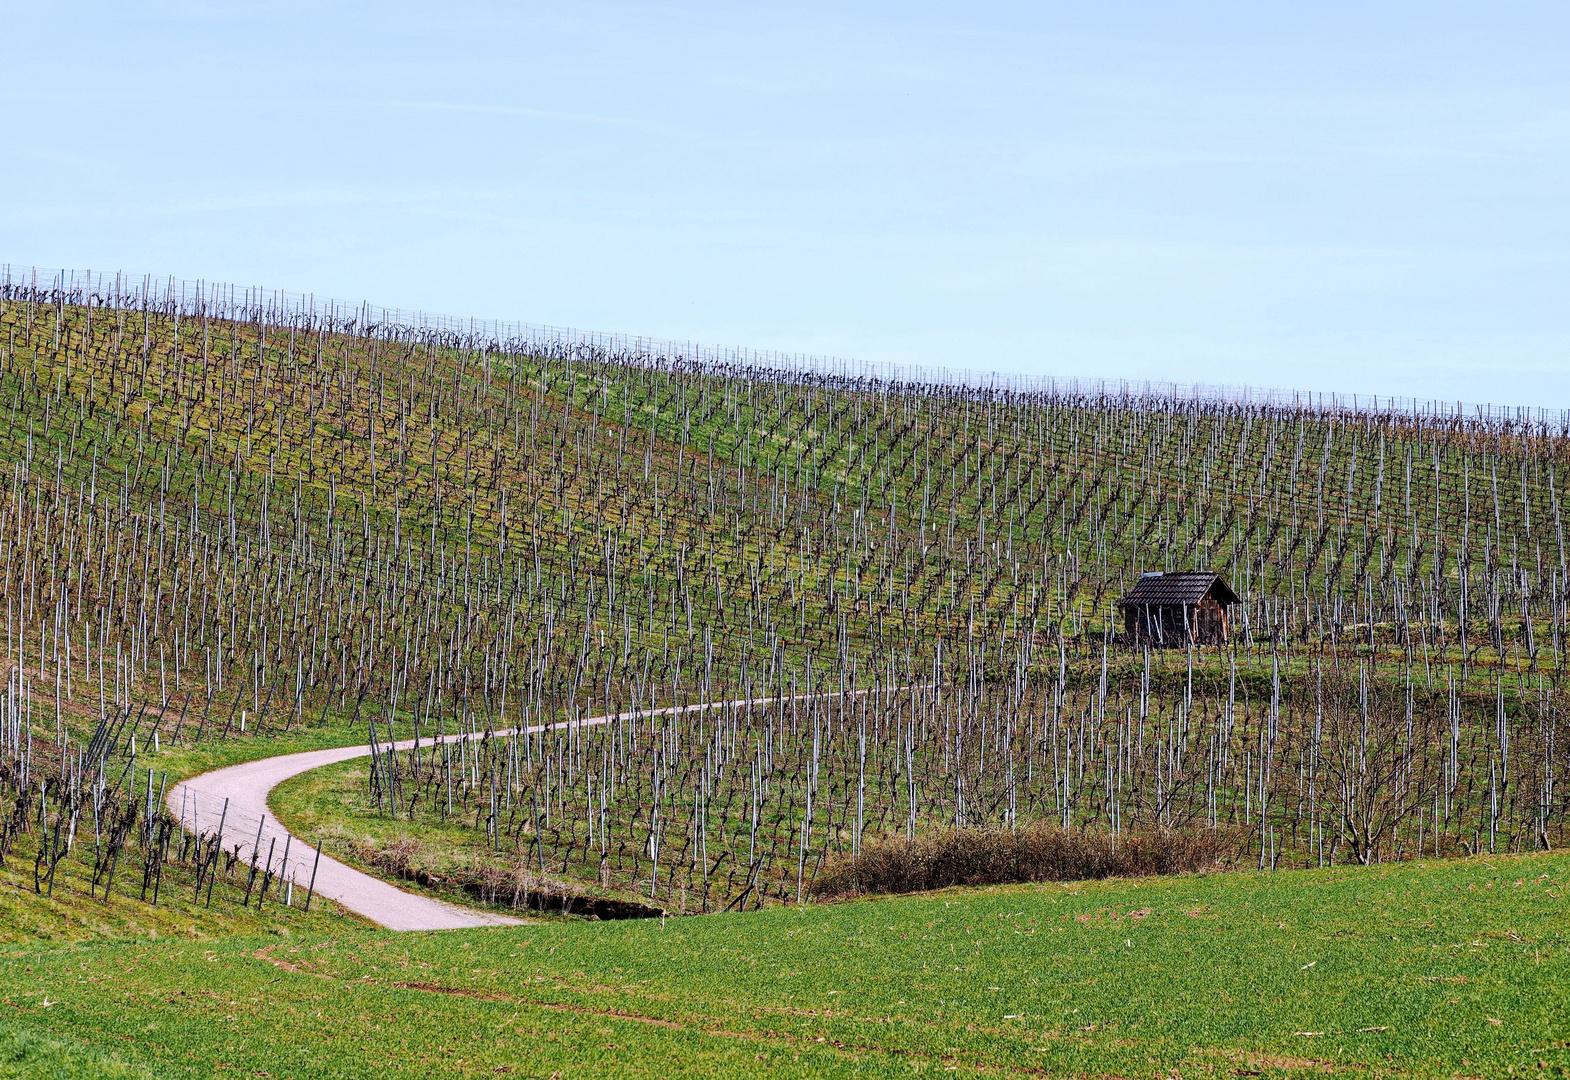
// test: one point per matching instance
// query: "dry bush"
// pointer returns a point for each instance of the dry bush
(402, 856)
(1037, 853)
(514, 886)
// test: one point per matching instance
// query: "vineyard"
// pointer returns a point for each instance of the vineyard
(820, 608)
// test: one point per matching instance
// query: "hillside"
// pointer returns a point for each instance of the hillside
(230, 525)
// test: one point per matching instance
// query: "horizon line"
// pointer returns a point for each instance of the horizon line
(284, 308)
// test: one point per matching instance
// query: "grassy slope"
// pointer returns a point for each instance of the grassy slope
(70, 914)
(1442, 968)
(331, 803)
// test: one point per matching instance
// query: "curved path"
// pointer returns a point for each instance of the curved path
(233, 802)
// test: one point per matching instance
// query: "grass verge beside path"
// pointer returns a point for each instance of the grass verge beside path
(331, 803)
(72, 914)
(1434, 969)
(184, 761)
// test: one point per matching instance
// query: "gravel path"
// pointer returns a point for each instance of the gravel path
(234, 801)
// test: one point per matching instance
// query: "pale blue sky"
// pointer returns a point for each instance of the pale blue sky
(1369, 197)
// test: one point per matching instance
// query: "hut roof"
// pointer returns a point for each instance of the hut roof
(1178, 587)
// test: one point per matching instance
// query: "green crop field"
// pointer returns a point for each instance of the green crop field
(1440, 968)
(828, 610)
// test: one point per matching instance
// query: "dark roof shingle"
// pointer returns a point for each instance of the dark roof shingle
(1178, 587)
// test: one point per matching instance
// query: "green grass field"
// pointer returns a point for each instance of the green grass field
(1447, 968)
(27, 1055)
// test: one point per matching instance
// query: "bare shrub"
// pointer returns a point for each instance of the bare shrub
(513, 885)
(403, 854)
(1038, 853)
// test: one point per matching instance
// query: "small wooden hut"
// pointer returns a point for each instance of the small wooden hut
(1178, 608)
